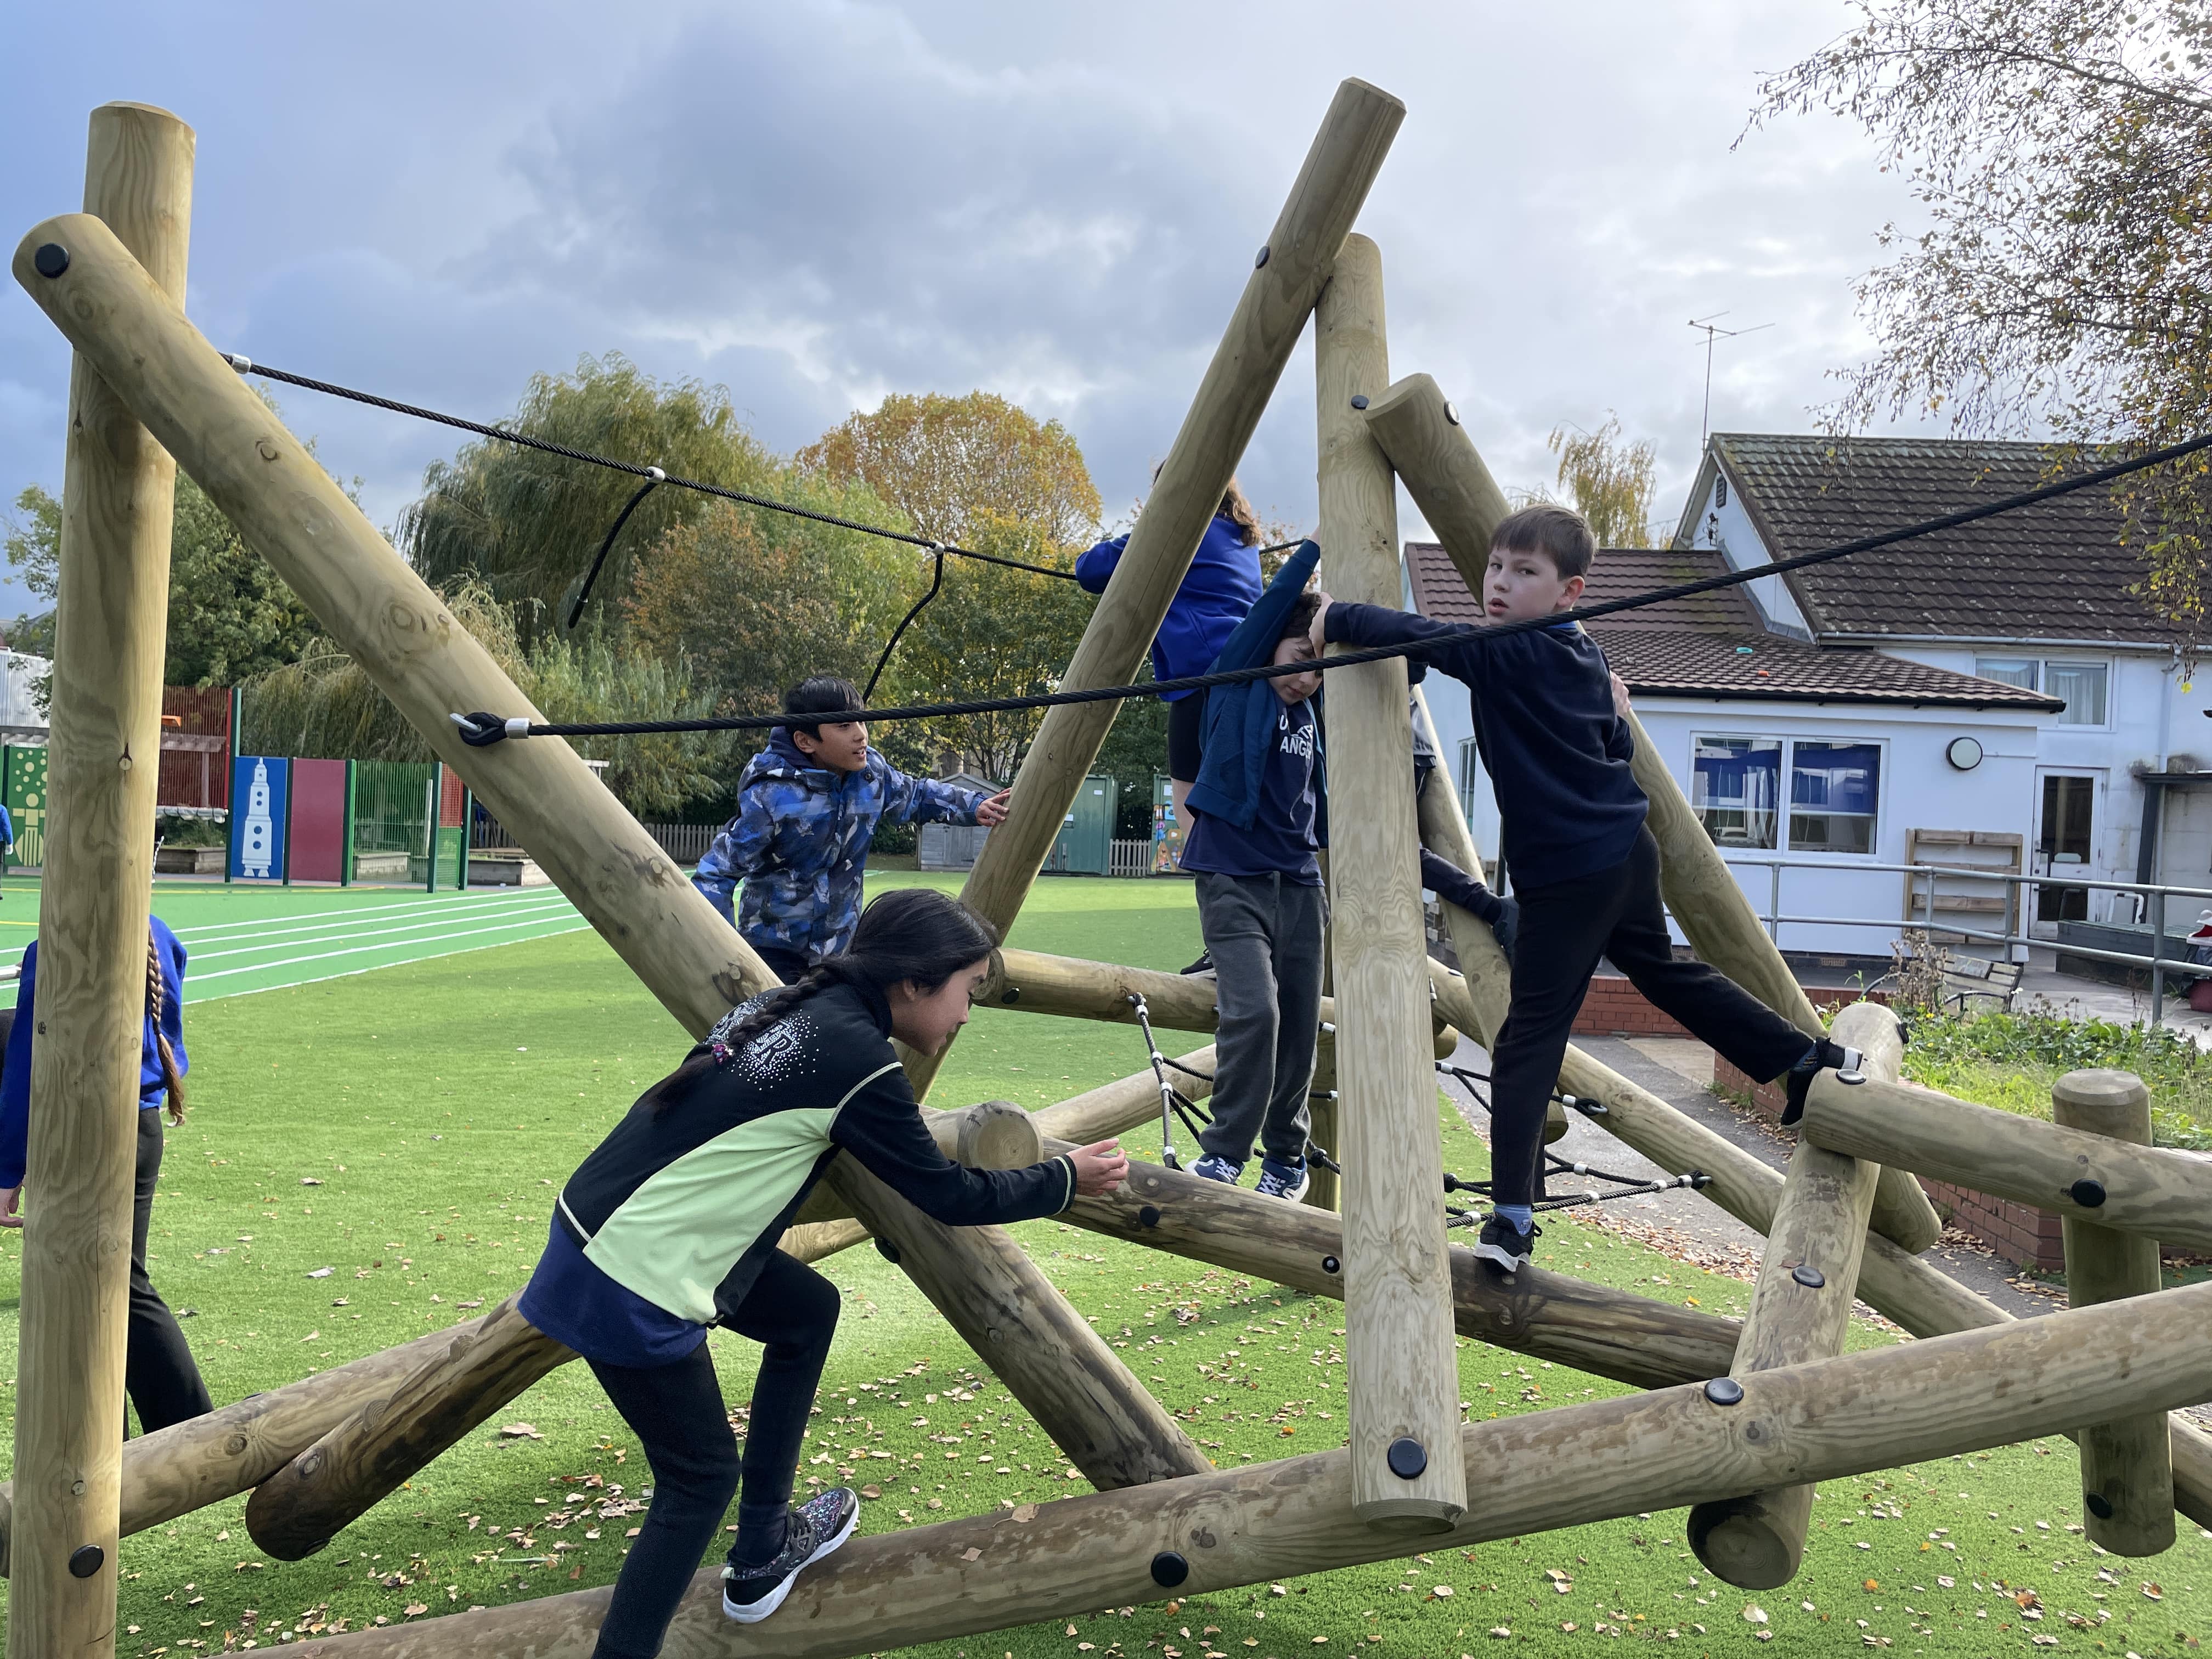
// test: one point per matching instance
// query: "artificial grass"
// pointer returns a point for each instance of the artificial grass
(438, 1105)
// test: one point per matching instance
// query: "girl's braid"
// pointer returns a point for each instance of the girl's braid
(157, 994)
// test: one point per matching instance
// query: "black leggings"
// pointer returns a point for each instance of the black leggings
(677, 1415)
(158, 1372)
(1565, 928)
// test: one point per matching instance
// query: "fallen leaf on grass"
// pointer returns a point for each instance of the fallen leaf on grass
(414, 1608)
(320, 1273)
(520, 1431)
(971, 1554)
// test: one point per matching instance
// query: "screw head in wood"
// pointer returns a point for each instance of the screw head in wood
(86, 1559)
(49, 260)
(1808, 1275)
(1724, 1391)
(1407, 1457)
(1451, 412)
(1149, 1216)
(1261, 258)
(888, 1250)
(1169, 1568)
(2087, 1193)
(1329, 1264)
(2097, 1505)
(1359, 400)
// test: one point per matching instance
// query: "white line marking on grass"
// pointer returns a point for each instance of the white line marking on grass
(273, 927)
(358, 949)
(378, 968)
(392, 931)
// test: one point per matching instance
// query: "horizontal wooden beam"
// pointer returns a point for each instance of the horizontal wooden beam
(2164, 1193)
(1878, 1409)
(1546, 1316)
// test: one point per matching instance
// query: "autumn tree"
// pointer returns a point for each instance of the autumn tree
(528, 524)
(2061, 155)
(1610, 481)
(981, 473)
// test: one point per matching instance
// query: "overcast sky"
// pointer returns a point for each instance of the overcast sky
(817, 204)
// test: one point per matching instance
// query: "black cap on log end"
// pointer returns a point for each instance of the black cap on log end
(85, 1560)
(1408, 1458)
(1724, 1391)
(2089, 1194)
(1169, 1570)
(49, 260)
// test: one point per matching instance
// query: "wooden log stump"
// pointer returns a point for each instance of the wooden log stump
(1421, 433)
(1401, 1367)
(1288, 272)
(1545, 1316)
(2127, 1464)
(1801, 1310)
(2114, 1185)
(111, 624)
(1645, 1452)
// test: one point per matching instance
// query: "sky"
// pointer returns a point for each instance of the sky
(817, 202)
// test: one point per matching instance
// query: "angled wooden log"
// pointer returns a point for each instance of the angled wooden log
(111, 624)
(1801, 1310)
(1421, 433)
(1287, 275)
(2127, 1464)
(1400, 1369)
(603, 859)
(1646, 1452)
(1917, 1295)
(1116, 1108)
(234, 1448)
(2162, 1194)
(1631, 1339)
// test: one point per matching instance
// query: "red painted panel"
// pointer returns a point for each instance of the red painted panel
(449, 800)
(317, 841)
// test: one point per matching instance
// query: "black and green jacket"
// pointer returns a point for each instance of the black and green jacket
(681, 1206)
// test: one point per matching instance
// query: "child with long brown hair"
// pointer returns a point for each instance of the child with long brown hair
(158, 1372)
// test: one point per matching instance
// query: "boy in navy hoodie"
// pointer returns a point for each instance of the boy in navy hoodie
(1548, 724)
(1258, 820)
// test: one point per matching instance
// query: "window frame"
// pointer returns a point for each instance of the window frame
(2102, 724)
(1784, 807)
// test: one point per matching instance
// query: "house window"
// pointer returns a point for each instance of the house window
(1720, 490)
(2008, 670)
(2080, 685)
(1833, 788)
(1734, 787)
(1470, 768)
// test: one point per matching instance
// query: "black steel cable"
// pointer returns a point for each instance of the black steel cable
(936, 581)
(654, 478)
(479, 730)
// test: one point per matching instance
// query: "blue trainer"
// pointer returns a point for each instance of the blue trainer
(1288, 1182)
(1214, 1167)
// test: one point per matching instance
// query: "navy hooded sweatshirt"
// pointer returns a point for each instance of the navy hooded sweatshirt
(1219, 589)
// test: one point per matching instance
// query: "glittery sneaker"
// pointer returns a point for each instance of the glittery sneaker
(1214, 1167)
(1288, 1182)
(816, 1528)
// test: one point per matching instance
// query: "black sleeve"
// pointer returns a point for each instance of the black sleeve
(882, 1127)
(1456, 886)
(1380, 624)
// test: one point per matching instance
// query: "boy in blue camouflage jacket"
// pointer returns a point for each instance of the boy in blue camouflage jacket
(807, 806)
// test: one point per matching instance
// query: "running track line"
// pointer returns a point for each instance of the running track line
(360, 950)
(355, 973)
(394, 931)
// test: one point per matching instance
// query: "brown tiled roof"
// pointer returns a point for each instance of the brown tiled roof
(2055, 570)
(1710, 644)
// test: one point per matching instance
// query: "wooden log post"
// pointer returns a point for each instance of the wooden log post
(1639, 1453)
(1545, 1316)
(1801, 1310)
(2160, 1192)
(1401, 1366)
(2127, 1464)
(1421, 433)
(1289, 269)
(1919, 1297)
(111, 627)
(603, 859)
(1323, 1188)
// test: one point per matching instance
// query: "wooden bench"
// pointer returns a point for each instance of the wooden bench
(1967, 978)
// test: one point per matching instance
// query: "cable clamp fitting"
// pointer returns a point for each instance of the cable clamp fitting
(242, 364)
(481, 731)
(656, 475)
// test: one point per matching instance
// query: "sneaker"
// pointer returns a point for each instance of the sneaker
(816, 1528)
(1284, 1181)
(1203, 966)
(1213, 1167)
(1504, 1244)
(1826, 1056)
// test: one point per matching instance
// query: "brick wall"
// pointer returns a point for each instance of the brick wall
(1613, 1007)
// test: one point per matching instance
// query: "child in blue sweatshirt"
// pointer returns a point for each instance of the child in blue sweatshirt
(1548, 724)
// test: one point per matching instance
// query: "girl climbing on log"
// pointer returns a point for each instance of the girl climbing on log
(158, 1372)
(671, 1227)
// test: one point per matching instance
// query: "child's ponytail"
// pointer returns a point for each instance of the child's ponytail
(157, 997)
